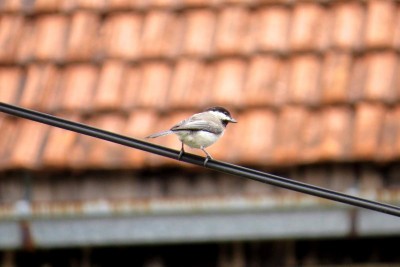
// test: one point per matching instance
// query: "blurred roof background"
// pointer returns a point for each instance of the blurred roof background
(318, 80)
(314, 86)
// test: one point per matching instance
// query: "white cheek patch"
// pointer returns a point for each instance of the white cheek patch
(221, 116)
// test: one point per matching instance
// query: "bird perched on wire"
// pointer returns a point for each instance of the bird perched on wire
(201, 130)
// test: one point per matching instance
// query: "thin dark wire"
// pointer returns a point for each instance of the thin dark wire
(197, 160)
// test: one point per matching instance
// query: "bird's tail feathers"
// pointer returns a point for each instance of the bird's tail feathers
(155, 135)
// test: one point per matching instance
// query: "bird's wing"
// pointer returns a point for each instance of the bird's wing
(196, 124)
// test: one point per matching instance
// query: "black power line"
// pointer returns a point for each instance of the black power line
(197, 160)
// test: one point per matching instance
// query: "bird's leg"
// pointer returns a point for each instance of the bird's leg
(207, 158)
(181, 153)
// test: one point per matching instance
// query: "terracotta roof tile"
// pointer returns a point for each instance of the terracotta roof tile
(389, 144)
(283, 83)
(307, 28)
(89, 152)
(122, 35)
(41, 87)
(77, 156)
(156, 77)
(304, 80)
(78, 84)
(380, 79)
(86, 4)
(380, 23)
(84, 28)
(10, 83)
(273, 28)
(199, 3)
(47, 5)
(7, 138)
(105, 154)
(57, 149)
(11, 5)
(228, 82)
(337, 126)
(160, 34)
(335, 78)
(310, 137)
(10, 35)
(130, 87)
(121, 4)
(396, 34)
(140, 124)
(27, 149)
(233, 32)
(186, 85)
(357, 79)
(348, 19)
(262, 81)
(287, 144)
(25, 48)
(108, 93)
(50, 37)
(199, 32)
(368, 124)
(259, 127)
(164, 3)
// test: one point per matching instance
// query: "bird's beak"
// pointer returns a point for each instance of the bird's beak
(233, 120)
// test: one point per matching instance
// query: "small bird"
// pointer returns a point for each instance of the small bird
(200, 130)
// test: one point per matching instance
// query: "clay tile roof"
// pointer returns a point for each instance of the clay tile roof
(304, 79)
(10, 83)
(199, 32)
(7, 139)
(10, 33)
(78, 84)
(389, 141)
(161, 34)
(188, 86)
(380, 23)
(228, 82)
(82, 43)
(337, 128)
(273, 29)
(368, 124)
(50, 32)
(104, 154)
(261, 80)
(121, 35)
(233, 31)
(318, 80)
(58, 145)
(381, 77)
(348, 17)
(154, 75)
(109, 88)
(28, 144)
(308, 28)
(335, 77)
(39, 88)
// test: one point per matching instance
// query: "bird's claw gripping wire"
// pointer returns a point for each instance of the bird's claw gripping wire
(181, 153)
(206, 160)
(208, 157)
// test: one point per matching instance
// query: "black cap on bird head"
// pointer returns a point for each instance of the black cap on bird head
(225, 119)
